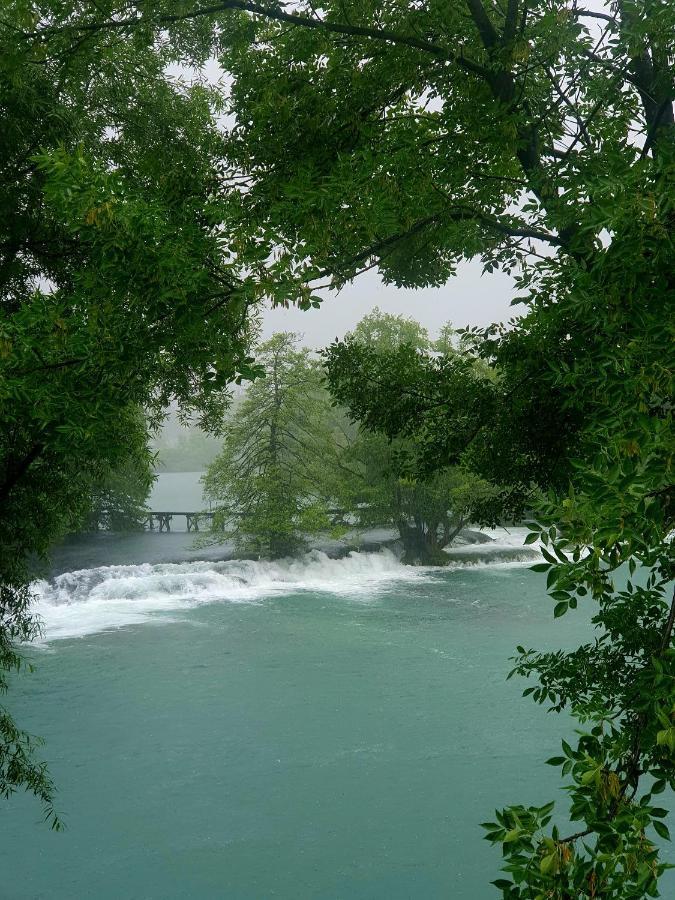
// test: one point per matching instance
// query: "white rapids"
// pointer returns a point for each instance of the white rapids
(82, 602)
(86, 601)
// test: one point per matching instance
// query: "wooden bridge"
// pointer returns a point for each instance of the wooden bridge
(164, 519)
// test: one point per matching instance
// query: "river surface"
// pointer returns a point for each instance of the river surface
(310, 729)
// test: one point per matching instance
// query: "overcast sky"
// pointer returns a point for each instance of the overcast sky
(467, 299)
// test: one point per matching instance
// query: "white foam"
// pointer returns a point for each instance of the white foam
(86, 601)
(506, 548)
(512, 536)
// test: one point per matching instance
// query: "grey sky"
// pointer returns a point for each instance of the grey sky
(467, 299)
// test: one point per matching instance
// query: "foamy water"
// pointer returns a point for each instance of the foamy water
(87, 601)
(506, 548)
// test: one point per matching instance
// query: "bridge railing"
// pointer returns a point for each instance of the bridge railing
(163, 519)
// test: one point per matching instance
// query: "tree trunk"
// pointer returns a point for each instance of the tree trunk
(420, 545)
(450, 531)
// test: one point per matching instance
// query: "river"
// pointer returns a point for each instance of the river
(311, 729)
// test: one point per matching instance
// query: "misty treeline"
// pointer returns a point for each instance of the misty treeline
(145, 215)
(295, 462)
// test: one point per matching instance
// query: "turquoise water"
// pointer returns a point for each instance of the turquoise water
(325, 730)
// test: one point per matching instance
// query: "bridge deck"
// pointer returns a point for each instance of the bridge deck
(164, 518)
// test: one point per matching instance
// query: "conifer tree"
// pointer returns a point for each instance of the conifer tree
(273, 478)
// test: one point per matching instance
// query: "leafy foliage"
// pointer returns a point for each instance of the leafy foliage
(117, 499)
(272, 478)
(292, 464)
(383, 476)
(540, 137)
(115, 289)
(377, 485)
(18, 766)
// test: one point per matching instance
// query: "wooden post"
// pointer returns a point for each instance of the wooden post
(165, 521)
(162, 520)
(192, 521)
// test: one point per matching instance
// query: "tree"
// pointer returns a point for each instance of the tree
(381, 478)
(539, 137)
(272, 477)
(117, 497)
(378, 485)
(116, 288)
(437, 403)
(118, 501)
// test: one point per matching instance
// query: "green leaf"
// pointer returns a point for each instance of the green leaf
(548, 556)
(661, 829)
(548, 864)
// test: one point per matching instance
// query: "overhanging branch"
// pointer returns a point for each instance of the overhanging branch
(274, 13)
(454, 213)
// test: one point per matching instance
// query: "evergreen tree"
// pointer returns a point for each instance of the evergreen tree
(271, 480)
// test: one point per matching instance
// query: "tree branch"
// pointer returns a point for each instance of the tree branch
(276, 14)
(487, 31)
(510, 23)
(464, 214)
(668, 630)
(377, 247)
(587, 14)
(457, 214)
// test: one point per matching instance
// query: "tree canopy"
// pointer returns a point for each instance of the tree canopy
(118, 496)
(539, 137)
(115, 289)
(381, 476)
(293, 465)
